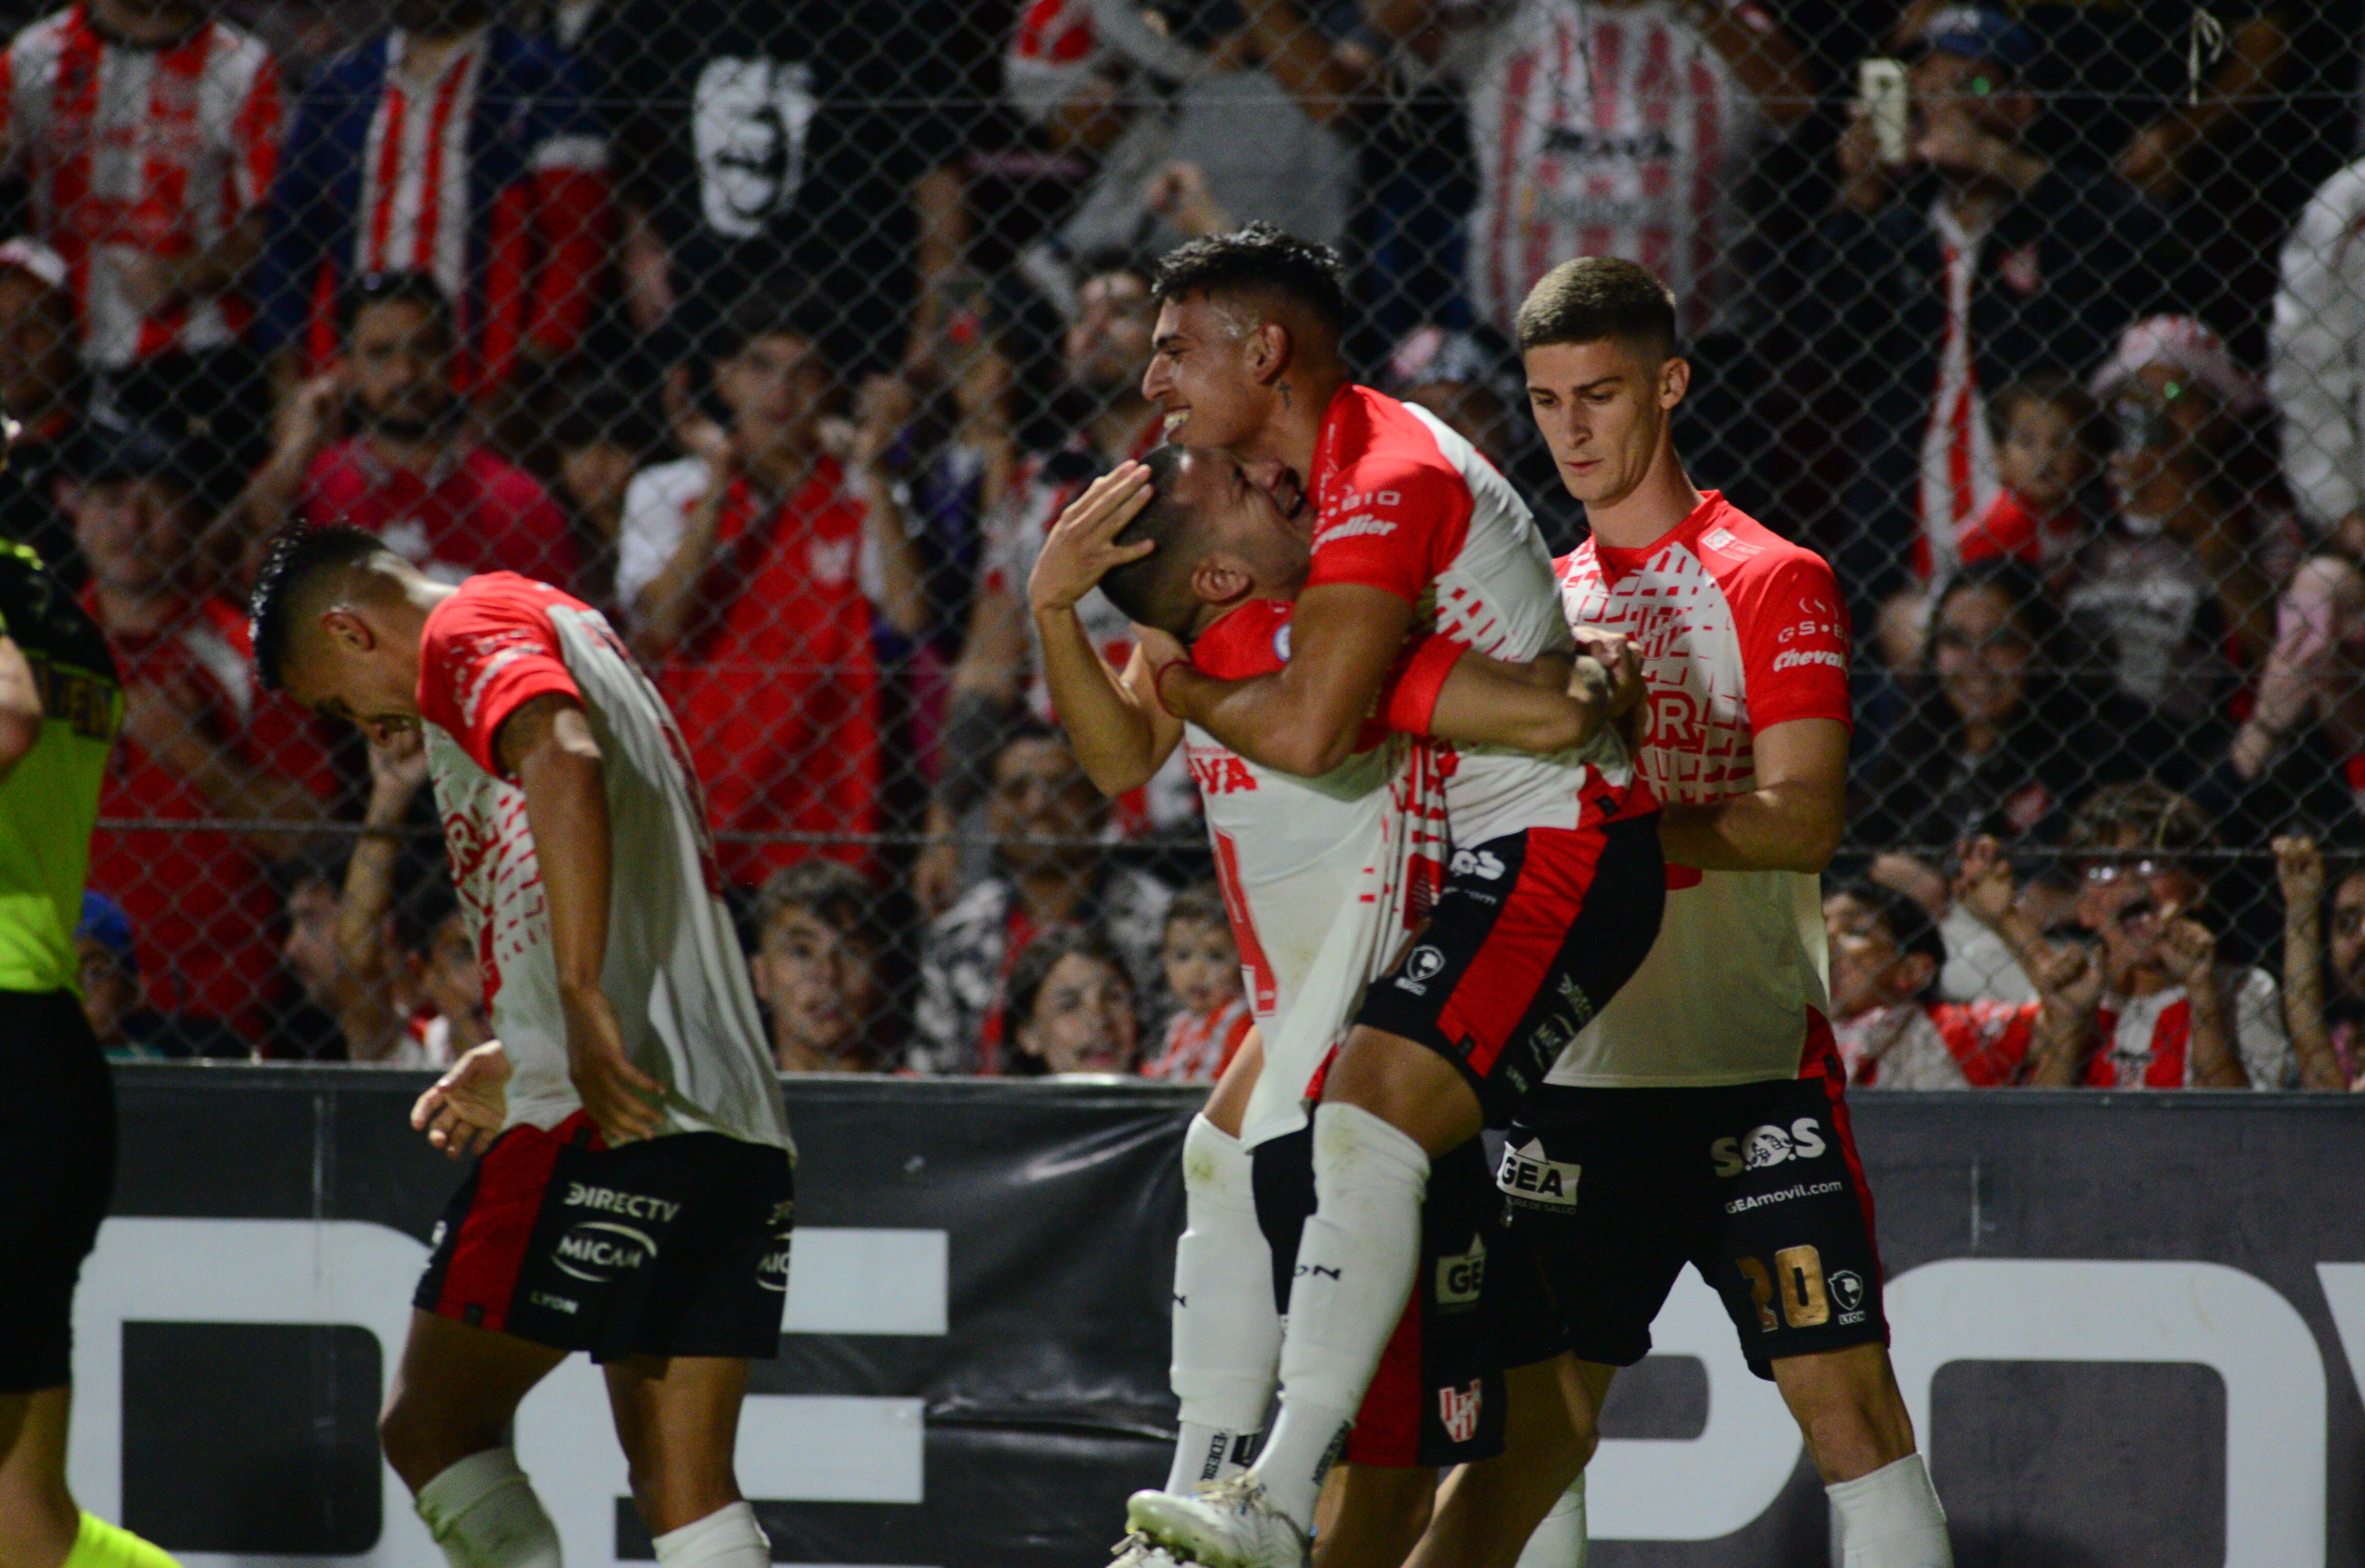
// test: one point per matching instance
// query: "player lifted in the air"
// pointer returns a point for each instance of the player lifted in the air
(634, 1195)
(1551, 898)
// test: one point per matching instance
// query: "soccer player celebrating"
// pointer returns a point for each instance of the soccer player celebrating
(634, 1194)
(1705, 1103)
(1553, 894)
(61, 705)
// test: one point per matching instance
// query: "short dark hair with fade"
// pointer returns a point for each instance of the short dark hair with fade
(1258, 259)
(1200, 903)
(765, 313)
(297, 554)
(1909, 925)
(832, 892)
(1155, 589)
(394, 288)
(1596, 297)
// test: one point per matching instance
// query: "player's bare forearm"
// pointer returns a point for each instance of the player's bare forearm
(2319, 1065)
(547, 746)
(1790, 821)
(1343, 639)
(20, 706)
(665, 603)
(1531, 707)
(1118, 731)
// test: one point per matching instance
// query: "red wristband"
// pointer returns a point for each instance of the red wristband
(1410, 705)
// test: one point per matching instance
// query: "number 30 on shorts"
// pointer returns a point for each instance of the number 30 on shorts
(1797, 1278)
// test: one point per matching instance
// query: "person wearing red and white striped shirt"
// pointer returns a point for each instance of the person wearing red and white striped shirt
(1212, 1016)
(1892, 1031)
(149, 135)
(1622, 129)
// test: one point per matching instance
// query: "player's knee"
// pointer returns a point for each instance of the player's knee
(1852, 1417)
(1405, 1084)
(420, 1441)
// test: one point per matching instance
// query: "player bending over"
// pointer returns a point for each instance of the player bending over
(1553, 894)
(1324, 882)
(634, 1194)
(61, 705)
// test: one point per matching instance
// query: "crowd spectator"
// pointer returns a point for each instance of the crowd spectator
(1892, 1029)
(2180, 588)
(415, 472)
(347, 1015)
(118, 1009)
(748, 569)
(2327, 1032)
(2043, 430)
(391, 925)
(794, 147)
(2292, 766)
(820, 968)
(598, 444)
(999, 677)
(1049, 869)
(1202, 965)
(148, 132)
(2156, 1008)
(200, 740)
(2318, 367)
(44, 389)
(1977, 263)
(1219, 116)
(1069, 1006)
(1624, 129)
(443, 980)
(456, 148)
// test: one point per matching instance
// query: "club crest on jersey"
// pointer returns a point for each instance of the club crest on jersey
(1421, 965)
(1458, 1408)
(1768, 1145)
(1462, 1277)
(1528, 1176)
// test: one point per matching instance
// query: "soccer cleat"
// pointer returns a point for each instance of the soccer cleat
(1137, 1550)
(1229, 1524)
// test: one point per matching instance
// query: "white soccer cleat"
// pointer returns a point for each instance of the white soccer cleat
(1137, 1550)
(1229, 1524)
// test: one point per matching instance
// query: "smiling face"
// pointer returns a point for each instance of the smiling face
(1204, 372)
(1604, 409)
(821, 985)
(1083, 1018)
(1981, 656)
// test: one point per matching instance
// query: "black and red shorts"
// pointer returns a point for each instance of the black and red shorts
(1530, 937)
(57, 1174)
(672, 1246)
(1756, 1185)
(1437, 1398)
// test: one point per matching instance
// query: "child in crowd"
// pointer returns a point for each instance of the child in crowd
(444, 983)
(1067, 1006)
(2327, 1032)
(1893, 1033)
(1202, 975)
(818, 967)
(2044, 457)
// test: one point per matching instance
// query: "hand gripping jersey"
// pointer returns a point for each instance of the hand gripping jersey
(673, 971)
(1739, 630)
(1404, 503)
(1323, 879)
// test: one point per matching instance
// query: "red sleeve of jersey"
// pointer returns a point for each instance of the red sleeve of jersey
(1396, 525)
(256, 134)
(1794, 641)
(488, 648)
(1410, 701)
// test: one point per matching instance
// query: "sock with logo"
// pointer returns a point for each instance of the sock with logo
(1891, 1518)
(98, 1544)
(1226, 1334)
(1559, 1540)
(482, 1513)
(1355, 1268)
(727, 1538)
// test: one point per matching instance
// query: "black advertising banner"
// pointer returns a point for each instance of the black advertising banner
(2125, 1324)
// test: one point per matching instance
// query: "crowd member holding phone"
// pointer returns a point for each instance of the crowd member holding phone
(1959, 259)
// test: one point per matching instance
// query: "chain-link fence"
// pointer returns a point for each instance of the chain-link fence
(781, 329)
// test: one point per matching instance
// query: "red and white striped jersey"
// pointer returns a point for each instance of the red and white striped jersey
(414, 209)
(136, 153)
(1937, 1045)
(2145, 1041)
(1602, 130)
(673, 972)
(1958, 477)
(1199, 1046)
(1739, 630)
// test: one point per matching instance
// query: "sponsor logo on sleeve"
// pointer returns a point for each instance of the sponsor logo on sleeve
(1528, 1176)
(1794, 658)
(1768, 1146)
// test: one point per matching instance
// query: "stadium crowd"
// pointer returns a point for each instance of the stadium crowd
(781, 333)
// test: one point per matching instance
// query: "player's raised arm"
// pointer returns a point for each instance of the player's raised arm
(1790, 821)
(1344, 638)
(547, 746)
(1118, 731)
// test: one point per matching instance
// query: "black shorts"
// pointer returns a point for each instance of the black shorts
(1756, 1185)
(57, 1175)
(673, 1245)
(1437, 1398)
(1530, 937)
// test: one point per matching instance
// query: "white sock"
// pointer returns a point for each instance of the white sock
(482, 1513)
(727, 1538)
(1558, 1542)
(1355, 1267)
(1226, 1335)
(1891, 1518)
